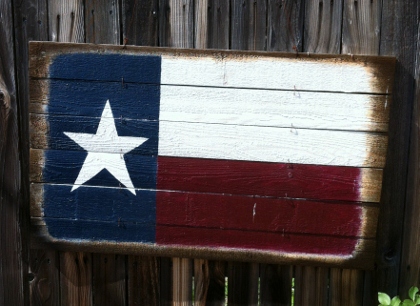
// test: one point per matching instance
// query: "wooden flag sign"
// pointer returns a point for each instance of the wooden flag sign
(216, 154)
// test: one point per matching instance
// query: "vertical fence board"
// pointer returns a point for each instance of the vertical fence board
(311, 286)
(410, 263)
(361, 26)
(108, 283)
(276, 285)
(182, 281)
(201, 281)
(346, 287)
(102, 21)
(76, 278)
(216, 290)
(285, 25)
(44, 278)
(248, 25)
(140, 22)
(143, 280)
(242, 283)
(322, 32)
(66, 21)
(201, 21)
(398, 38)
(13, 255)
(218, 24)
(181, 23)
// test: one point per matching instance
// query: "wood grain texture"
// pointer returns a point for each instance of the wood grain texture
(218, 17)
(200, 23)
(276, 285)
(66, 21)
(182, 281)
(14, 290)
(181, 22)
(44, 278)
(76, 278)
(410, 263)
(322, 26)
(311, 286)
(248, 25)
(201, 281)
(398, 37)
(143, 280)
(242, 283)
(346, 289)
(102, 24)
(285, 25)
(109, 279)
(361, 26)
(140, 22)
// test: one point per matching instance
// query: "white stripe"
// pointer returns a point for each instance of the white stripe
(268, 144)
(274, 108)
(268, 73)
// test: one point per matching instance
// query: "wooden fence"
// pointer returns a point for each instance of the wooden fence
(35, 275)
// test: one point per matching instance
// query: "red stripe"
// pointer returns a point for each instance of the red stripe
(258, 214)
(257, 178)
(204, 237)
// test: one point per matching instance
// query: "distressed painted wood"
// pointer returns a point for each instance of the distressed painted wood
(232, 153)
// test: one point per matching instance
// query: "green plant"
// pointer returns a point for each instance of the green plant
(414, 300)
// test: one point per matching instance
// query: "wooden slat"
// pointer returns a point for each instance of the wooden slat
(248, 25)
(217, 286)
(181, 18)
(276, 285)
(143, 280)
(201, 281)
(311, 286)
(218, 24)
(346, 287)
(76, 278)
(140, 22)
(66, 21)
(109, 279)
(102, 21)
(13, 248)
(200, 23)
(410, 262)
(285, 25)
(242, 283)
(399, 28)
(182, 281)
(44, 278)
(322, 33)
(361, 26)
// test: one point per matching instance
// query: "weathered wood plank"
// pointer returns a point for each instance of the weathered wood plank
(218, 24)
(140, 22)
(102, 22)
(398, 37)
(14, 290)
(242, 283)
(76, 278)
(44, 278)
(347, 287)
(276, 285)
(285, 25)
(322, 32)
(200, 23)
(181, 23)
(66, 21)
(201, 281)
(361, 26)
(109, 279)
(248, 25)
(317, 110)
(311, 286)
(143, 280)
(410, 262)
(221, 68)
(182, 281)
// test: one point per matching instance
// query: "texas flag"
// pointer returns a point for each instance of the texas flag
(261, 153)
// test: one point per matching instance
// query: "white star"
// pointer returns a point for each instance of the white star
(105, 151)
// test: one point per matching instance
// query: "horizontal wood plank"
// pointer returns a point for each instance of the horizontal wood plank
(230, 68)
(286, 216)
(219, 176)
(362, 257)
(310, 110)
